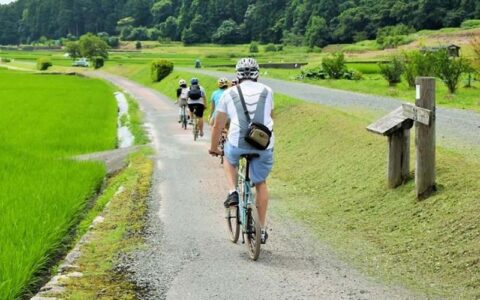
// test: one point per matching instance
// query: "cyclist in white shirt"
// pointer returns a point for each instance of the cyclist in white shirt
(259, 101)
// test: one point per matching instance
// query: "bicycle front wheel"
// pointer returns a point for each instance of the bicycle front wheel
(233, 223)
(254, 233)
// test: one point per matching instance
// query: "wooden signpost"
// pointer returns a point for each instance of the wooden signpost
(397, 124)
(425, 139)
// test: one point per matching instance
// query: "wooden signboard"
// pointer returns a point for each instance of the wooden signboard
(390, 123)
(418, 114)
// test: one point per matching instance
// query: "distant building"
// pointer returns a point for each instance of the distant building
(453, 50)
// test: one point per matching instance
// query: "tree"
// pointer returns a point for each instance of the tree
(476, 49)
(161, 10)
(393, 70)
(73, 49)
(317, 32)
(334, 65)
(169, 28)
(418, 64)
(197, 32)
(125, 22)
(92, 46)
(450, 69)
(226, 33)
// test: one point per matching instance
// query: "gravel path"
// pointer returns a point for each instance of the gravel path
(455, 127)
(189, 256)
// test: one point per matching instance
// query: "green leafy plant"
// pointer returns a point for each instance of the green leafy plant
(450, 69)
(98, 62)
(418, 64)
(270, 48)
(160, 69)
(91, 46)
(43, 63)
(393, 70)
(253, 47)
(470, 23)
(334, 65)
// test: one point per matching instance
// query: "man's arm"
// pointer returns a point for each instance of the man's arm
(218, 127)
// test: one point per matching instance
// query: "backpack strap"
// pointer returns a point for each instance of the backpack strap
(242, 99)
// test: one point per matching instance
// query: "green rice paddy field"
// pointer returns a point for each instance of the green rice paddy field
(44, 121)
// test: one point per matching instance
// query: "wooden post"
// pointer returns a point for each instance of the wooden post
(425, 140)
(398, 157)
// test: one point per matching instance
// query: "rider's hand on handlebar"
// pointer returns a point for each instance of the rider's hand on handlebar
(215, 152)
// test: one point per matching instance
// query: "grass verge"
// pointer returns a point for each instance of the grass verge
(330, 174)
(119, 233)
(135, 123)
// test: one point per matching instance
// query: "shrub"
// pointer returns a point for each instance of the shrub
(393, 36)
(98, 62)
(353, 75)
(334, 65)
(314, 49)
(280, 48)
(5, 60)
(313, 73)
(114, 41)
(43, 63)
(476, 49)
(470, 24)
(138, 45)
(160, 69)
(392, 71)
(450, 69)
(28, 48)
(270, 48)
(418, 64)
(253, 47)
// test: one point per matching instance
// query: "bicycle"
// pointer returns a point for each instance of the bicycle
(196, 130)
(245, 216)
(183, 117)
(223, 140)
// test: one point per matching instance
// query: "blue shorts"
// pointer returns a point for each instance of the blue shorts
(260, 167)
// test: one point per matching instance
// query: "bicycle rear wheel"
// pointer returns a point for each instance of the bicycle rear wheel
(233, 223)
(254, 233)
(184, 119)
(195, 128)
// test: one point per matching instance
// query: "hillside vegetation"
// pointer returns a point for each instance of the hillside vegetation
(311, 22)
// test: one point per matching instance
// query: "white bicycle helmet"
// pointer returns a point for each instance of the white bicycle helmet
(247, 68)
(182, 82)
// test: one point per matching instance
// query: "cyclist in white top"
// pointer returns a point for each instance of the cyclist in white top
(259, 101)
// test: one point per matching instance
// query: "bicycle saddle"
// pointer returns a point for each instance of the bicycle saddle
(250, 156)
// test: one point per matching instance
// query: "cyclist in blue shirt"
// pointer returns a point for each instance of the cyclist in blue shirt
(216, 96)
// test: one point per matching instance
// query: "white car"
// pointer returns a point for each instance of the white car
(81, 62)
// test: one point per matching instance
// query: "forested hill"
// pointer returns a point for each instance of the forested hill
(313, 22)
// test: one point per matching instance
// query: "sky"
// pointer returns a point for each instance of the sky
(6, 1)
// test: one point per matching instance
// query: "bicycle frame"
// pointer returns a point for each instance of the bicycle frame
(246, 196)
